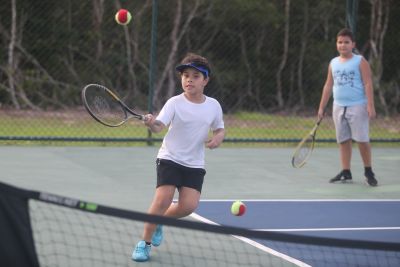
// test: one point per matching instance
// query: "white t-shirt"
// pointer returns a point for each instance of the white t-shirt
(189, 126)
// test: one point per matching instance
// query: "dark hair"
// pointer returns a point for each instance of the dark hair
(197, 60)
(345, 32)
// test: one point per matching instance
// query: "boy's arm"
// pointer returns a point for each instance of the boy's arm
(326, 93)
(368, 87)
(217, 138)
(154, 125)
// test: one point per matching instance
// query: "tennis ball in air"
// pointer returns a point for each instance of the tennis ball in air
(123, 17)
(238, 208)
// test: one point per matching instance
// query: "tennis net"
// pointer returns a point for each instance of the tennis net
(43, 229)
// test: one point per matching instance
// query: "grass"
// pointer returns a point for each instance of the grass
(242, 125)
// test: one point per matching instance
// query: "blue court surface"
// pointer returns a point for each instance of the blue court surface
(369, 220)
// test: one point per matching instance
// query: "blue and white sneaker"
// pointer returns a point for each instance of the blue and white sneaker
(141, 252)
(157, 237)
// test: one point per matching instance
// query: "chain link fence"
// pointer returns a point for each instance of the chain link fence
(269, 62)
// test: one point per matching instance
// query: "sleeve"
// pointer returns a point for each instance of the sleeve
(167, 112)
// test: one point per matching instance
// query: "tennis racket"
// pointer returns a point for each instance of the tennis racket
(106, 107)
(305, 147)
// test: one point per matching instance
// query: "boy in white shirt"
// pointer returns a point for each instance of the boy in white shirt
(180, 160)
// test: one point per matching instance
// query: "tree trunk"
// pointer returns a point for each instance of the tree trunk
(176, 37)
(12, 66)
(279, 87)
(303, 46)
(379, 24)
(98, 11)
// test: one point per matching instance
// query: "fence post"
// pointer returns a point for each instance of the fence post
(351, 15)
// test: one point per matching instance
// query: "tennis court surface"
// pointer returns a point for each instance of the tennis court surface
(84, 208)
(368, 220)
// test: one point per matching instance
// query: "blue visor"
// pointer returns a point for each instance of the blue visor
(194, 66)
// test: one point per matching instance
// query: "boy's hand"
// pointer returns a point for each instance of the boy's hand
(216, 140)
(212, 143)
(154, 125)
(148, 120)
(371, 112)
(321, 113)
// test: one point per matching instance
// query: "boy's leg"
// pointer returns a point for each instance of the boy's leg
(360, 129)
(189, 193)
(344, 140)
(365, 152)
(187, 202)
(345, 154)
(161, 202)
(345, 150)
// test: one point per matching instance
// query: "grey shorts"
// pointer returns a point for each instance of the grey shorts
(351, 123)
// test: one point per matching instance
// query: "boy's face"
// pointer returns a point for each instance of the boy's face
(193, 81)
(344, 45)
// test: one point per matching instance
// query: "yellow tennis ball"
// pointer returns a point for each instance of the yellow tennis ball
(123, 17)
(238, 208)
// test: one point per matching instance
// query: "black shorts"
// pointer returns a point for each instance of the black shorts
(172, 173)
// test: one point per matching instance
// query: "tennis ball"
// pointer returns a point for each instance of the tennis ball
(238, 208)
(123, 17)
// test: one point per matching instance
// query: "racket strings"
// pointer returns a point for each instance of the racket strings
(104, 106)
(303, 151)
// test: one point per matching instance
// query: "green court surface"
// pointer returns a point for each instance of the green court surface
(125, 177)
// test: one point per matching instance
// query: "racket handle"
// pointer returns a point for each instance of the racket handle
(144, 118)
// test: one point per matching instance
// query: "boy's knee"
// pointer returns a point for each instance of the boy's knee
(188, 208)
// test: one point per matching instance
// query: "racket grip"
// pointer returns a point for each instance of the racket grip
(143, 118)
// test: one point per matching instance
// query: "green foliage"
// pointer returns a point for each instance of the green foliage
(247, 125)
(63, 45)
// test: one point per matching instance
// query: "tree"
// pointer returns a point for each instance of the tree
(12, 57)
(379, 24)
(279, 87)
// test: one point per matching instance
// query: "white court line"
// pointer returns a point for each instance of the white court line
(256, 244)
(328, 229)
(302, 200)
